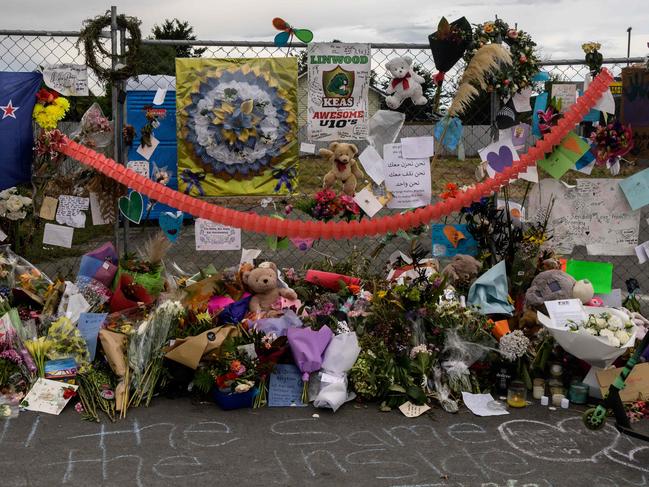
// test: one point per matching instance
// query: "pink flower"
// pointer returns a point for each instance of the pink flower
(512, 34)
(523, 58)
(78, 407)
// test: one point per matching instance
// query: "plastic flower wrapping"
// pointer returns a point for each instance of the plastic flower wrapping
(339, 358)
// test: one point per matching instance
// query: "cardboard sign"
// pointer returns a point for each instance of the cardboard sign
(637, 383)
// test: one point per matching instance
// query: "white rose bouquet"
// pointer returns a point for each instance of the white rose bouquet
(14, 206)
(616, 330)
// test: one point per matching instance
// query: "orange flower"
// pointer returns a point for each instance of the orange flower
(354, 289)
(452, 190)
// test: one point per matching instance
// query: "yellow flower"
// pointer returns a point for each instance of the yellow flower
(489, 27)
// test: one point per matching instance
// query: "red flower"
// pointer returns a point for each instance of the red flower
(69, 393)
(45, 96)
(452, 190)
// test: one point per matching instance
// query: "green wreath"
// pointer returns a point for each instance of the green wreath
(92, 41)
(510, 79)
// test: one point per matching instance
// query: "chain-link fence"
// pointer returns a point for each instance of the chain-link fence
(28, 50)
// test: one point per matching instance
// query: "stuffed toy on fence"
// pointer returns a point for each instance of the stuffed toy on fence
(405, 83)
(344, 167)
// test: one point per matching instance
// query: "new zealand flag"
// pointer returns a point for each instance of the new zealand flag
(17, 99)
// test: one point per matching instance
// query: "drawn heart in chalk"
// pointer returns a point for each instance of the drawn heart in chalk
(453, 235)
(171, 223)
(501, 160)
(566, 442)
(132, 206)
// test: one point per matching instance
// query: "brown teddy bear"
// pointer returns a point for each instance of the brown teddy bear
(262, 281)
(344, 167)
(462, 270)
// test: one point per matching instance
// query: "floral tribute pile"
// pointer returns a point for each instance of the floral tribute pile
(127, 330)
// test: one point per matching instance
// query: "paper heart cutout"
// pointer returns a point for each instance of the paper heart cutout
(568, 441)
(132, 206)
(572, 144)
(171, 223)
(453, 235)
(501, 160)
(303, 244)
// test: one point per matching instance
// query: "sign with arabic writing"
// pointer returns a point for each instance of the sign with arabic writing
(407, 179)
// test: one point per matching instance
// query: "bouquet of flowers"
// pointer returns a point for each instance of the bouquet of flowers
(145, 350)
(18, 273)
(339, 358)
(326, 205)
(308, 347)
(50, 108)
(146, 270)
(594, 58)
(94, 130)
(14, 206)
(583, 339)
(235, 372)
(616, 330)
(611, 142)
(67, 342)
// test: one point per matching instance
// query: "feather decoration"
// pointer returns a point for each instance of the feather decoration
(155, 248)
(488, 58)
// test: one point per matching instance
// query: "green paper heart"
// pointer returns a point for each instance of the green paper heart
(132, 206)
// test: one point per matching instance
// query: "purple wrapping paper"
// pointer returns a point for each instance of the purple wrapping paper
(308, 347)
(278, 326)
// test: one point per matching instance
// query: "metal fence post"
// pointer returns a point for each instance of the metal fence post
(114, 109)
(123, 151)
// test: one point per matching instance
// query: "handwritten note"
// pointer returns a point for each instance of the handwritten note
(140, 167)
(213, 236)
(407, 179)
(522, 100)
(67, 79)
(285, 386)
(70, 211)
(411, 410)
(89, 326)
(567, 93)
(58, 235)
(594, 213)
(48, 208)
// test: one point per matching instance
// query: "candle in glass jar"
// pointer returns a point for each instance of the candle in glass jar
(538, 388)
(517, 395)
(556, 399)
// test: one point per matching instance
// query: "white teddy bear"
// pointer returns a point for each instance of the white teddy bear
(405, 83)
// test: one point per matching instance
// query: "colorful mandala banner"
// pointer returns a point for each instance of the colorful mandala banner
(237, 126)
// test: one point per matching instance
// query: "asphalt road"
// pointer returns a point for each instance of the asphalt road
(177, 443)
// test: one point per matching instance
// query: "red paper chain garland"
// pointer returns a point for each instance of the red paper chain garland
(252, 222)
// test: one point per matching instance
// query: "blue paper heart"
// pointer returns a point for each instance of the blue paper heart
(171, 223)
(501, 160)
